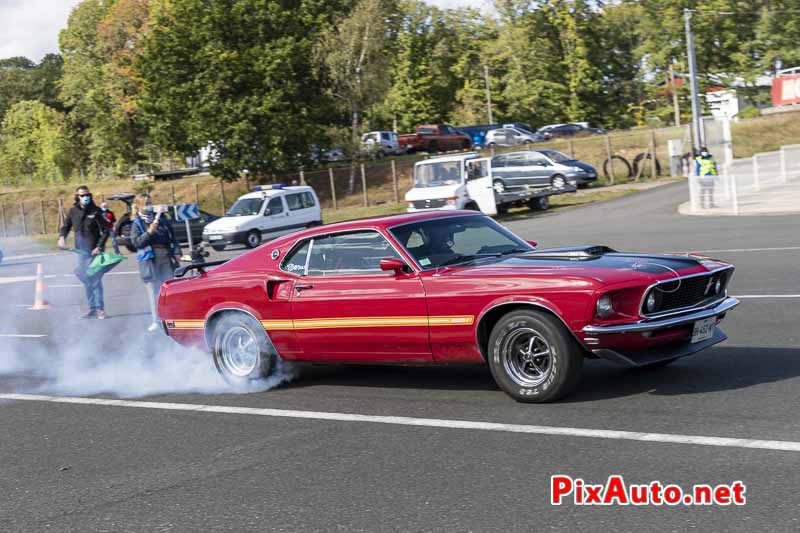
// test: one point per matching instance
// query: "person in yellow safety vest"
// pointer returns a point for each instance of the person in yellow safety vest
(705, 167)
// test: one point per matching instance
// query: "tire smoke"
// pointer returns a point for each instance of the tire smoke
(116, 356)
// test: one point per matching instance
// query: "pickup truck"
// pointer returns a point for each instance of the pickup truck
(434, 138)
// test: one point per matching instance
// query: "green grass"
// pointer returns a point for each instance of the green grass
(765, 134)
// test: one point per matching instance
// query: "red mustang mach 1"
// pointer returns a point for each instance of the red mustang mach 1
(446, 287)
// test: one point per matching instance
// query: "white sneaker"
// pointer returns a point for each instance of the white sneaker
(153, 327)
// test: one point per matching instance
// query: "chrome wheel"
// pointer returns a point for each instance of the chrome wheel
(239, 352)
(499, 186)
(527, 357)
(559, 182)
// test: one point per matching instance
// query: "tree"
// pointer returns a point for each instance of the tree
(351, 57)
(35, 143)
(411, 97)
(100, 46)
(235, 75)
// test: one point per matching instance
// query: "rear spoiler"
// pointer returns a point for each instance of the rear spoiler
(200, 267)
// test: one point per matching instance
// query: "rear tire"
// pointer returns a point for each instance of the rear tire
(533, 357)
(539, 204)
(241, 350)
(253, 239)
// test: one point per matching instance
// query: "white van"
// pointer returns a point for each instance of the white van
(268, 212)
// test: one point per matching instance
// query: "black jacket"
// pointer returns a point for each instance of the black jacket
(91, 229)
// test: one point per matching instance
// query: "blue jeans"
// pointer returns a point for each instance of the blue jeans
(92, 284)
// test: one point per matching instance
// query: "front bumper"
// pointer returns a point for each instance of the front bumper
(638, 355)
(579, 178)
(224, 238)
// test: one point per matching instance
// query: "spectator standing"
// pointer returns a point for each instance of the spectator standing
(706, 170)
(91, 232)
(157, 252)
(111, 219)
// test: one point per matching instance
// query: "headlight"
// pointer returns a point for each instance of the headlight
(718, 286)
(604, 306)
(577, 169)
(451, 201)
(652, 302)
(411, 205)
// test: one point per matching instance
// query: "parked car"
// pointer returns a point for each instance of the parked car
(123, 227)
(445, 288)
(509, 136)
(554, 131)
(434, 138)
(538, 168)
(269, 212)
(381, 144)
(333, 155)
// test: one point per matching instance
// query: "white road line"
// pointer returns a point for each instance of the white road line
(21, 336)
(120, 273)
(767, 296)
(778, 249)
(727, 442)
(16, 279)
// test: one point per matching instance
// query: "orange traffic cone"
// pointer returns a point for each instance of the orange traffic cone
(39, 302)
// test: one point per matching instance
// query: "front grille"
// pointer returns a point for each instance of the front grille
(429, 204)
(687, 292)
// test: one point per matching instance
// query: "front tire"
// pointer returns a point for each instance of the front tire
(533, 357)
(217, 248)
(253, 239)
(499, 186)
(241, 349)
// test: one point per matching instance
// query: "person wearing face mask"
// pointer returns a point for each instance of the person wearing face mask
(706, 170)
(157, 251)
(91, 232)
(111, 219)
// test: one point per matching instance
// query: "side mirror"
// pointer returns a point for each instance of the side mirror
(533, 243)
(267, 211)
(393, 264)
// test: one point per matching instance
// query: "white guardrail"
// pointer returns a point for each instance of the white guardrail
(744, 179)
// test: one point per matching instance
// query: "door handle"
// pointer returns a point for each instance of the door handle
(300, 288)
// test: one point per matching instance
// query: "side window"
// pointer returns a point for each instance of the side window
(477, 169)
(516, 160)
(294, 201)
(499, 161)
(308, 200)
(349, 254)
(295, 262)
(386, 136)
(275, 206)
(535, 159)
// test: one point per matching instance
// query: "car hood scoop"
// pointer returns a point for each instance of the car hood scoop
(598, 256)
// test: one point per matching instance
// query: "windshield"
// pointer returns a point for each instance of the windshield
(446, 241)
(556, 156)
(245, 206)
(436, 174)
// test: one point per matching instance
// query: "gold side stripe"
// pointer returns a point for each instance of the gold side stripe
(349, 322)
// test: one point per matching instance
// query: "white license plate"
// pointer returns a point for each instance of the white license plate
(704, 329)
(215, 237)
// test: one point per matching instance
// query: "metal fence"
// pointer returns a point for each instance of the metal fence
(743, 182)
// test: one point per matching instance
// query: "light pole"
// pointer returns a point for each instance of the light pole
(696, 126)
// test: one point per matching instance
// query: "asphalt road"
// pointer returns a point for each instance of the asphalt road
(101, 467)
